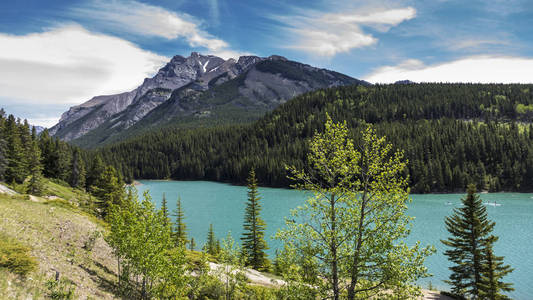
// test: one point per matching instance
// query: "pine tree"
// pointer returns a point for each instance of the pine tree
(16, 167)
(35, 186)
(3, 159)
(164, 209)
(95, 172)
(192, 244)
(49, 154)
(77, 170)
(62, 165)
(180, 228)
(27, 145)
(493, 272)
(253, 238)
(109, 189)
(470, 230)
(210, 246)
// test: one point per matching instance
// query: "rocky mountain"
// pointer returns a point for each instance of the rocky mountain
(199, 89)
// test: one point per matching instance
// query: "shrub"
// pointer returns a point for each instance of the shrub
(61, 289)
(91, 241)
(15, 256)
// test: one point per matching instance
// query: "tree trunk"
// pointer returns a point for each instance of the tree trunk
(355, 267)
(333, 246)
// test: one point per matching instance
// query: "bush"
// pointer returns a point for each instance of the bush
(91, 241)
(15, 256)
(61, 289)
(451, 295)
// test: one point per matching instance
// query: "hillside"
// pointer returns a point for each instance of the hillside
(64, 239)
(59, 234)
(195, 91)
(451, 134)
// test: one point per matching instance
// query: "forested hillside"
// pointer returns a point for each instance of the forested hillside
(26, 158)
(452, 134)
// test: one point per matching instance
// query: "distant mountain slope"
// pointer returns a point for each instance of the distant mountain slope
(452, 134)
(195, 90)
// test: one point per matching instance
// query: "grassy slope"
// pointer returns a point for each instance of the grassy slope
(57, 231)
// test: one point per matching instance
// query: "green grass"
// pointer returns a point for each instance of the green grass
(16, 257)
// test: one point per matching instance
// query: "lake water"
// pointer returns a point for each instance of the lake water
(223, 206)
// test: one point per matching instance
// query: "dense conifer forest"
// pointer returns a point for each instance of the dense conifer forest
(26, 157)
(452, 135)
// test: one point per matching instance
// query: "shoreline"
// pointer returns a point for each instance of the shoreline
(482, 192)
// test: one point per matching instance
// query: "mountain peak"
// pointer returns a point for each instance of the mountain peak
(197, 83)
(277, 57)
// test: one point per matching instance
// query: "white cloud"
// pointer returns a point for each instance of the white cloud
(474, 44)
(476, 69)
(69, 65)
(328, 34)
(147, 20)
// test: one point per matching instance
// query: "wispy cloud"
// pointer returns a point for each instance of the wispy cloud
(69, 64)
(475, 44)
(478, 69)
(214, 11)
(330, 33)
(148, 20)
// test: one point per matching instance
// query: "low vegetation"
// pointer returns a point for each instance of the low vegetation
(48, 237)
(15, 257)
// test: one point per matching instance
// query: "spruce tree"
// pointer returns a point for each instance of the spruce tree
(470, 230)
(95, 172)
(253, 238)
(3, 146)
(27, 145)
(180, 229)
(210, 246)
(493, 271)
(192, 244)
(77, 170)
(164, 209)
(35, 186)
(15, 154)
(109, 189)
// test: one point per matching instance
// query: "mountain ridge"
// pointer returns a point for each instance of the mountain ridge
(205, 87)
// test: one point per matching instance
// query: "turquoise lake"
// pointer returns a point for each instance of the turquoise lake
(223, 206)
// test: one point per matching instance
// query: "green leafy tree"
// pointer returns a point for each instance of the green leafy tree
(355, 223)
(232, 269)
(148, 259)
(471, 234)
(253, 237)
(180, 228)
(299, 270)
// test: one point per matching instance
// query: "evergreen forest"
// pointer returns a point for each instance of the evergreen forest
(451, 134)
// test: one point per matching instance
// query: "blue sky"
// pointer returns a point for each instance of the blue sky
(56, 54)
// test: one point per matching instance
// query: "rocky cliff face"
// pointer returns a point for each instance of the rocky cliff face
(81, 119)
(196, 85)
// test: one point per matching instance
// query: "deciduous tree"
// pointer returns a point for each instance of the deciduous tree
(355, 222)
